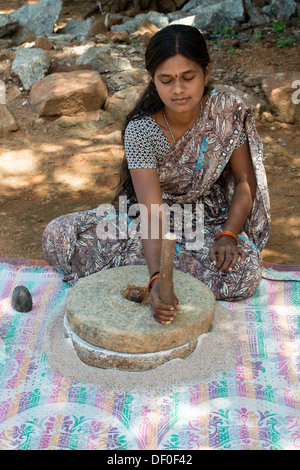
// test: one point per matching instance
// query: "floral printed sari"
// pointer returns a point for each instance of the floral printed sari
(195, 170)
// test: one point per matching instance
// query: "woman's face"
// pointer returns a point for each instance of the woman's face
(180, 83)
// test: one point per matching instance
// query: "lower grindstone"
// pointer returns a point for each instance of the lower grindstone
(133, 362)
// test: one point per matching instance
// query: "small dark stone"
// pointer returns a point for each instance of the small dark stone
(21, 299)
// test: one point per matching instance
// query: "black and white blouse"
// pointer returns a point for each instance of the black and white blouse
(145, 143)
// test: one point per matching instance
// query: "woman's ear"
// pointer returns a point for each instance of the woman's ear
(207, 71)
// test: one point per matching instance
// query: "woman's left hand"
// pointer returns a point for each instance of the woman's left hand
(225, 254)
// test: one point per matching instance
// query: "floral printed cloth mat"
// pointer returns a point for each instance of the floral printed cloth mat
(255, 405)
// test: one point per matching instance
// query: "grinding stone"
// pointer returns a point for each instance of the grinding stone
(98, 313)
(104, 359)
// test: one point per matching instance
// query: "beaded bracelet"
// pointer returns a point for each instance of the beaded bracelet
(155, 276)
(230, 234)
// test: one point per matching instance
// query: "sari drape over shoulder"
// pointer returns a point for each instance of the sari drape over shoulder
(196, 170)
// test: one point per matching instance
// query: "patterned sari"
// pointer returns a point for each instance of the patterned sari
(195, 170)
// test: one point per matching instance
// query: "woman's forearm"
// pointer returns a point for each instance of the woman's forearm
(240, 207)
(152, 250)
(245, 188)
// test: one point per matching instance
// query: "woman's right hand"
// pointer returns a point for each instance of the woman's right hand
(162, 313)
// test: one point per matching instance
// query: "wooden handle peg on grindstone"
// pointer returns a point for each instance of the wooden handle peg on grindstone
(166, 269)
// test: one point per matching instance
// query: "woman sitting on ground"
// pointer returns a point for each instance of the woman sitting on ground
(191, 146)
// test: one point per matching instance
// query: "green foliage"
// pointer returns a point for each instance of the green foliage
(278, 27)
(258, 36)
(286, 42)
(225, 31)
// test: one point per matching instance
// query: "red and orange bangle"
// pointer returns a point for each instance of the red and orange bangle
(229, 234)
(155, 276)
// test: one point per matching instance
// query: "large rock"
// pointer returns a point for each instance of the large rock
(282, 91)
(118, 36)
(68, 93)
(31, 65)
(256, 16)
(193, 4)
(147, 26)
(60, 39)
(101, 60)
(166, 6)
(7, 24)
(123, 101)
(7, 121)
(179, 3)
(131, 25)
(133, 77)
(279, 10)
(79, 28)
(38, 18)
(211, 15)
(98, 27)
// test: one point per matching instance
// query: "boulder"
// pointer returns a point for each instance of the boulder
(11, 94)
(146, 26)
(38, 18)
(61, 38)
(68, 93)
(31, 65)
(279, 10)
(101, 60)
(256, 77)
(7, 24)
(123, 101)
(79, 28)
(256, 16)
(7, 121)
(161, 20)
(179, 3)
(131, 25)
(191, 5)
(212, 15)
(128, 78)
(118, 36)
(282, 91)
(166, 6)
(98, 27)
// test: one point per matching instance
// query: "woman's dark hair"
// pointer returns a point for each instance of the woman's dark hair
(166, 43)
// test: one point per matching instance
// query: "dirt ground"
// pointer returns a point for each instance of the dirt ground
(47, 170)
